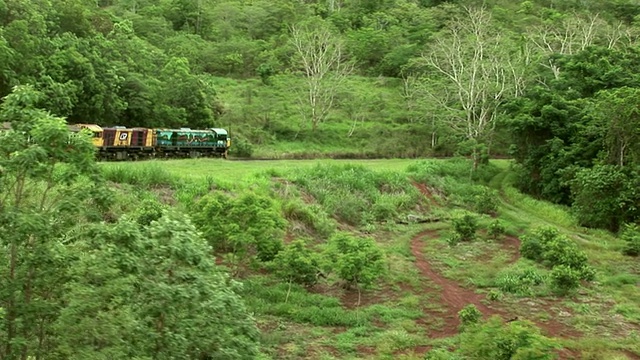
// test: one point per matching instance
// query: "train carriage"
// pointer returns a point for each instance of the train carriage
(122, 143)
(187, 142)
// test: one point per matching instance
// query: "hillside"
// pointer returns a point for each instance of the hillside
(385, 254)
(236, 64)
(454, 253)
(295, 259)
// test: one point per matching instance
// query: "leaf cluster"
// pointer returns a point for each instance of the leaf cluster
(546, 245)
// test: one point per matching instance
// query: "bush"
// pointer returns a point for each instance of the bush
(532, 244)
(631, 236)
(547, 246)
(356, 260)
(564, 279)
(514, 340)
(469, 315)
(519, 280)
(454, 239)
(241, 147)
(486, 202)
(465, 226)
(296, 263)
(496, 229)
(441, 354)
(248, 224)
(357, 195)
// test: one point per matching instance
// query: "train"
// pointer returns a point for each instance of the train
(138, 143)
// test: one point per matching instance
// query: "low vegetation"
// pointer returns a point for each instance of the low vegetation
(344, 284)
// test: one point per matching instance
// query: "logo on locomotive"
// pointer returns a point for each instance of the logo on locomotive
(123, 136)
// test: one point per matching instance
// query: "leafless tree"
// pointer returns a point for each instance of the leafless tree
(474, 75)
(321, 60)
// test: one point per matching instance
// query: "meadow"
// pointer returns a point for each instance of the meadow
(455, 247)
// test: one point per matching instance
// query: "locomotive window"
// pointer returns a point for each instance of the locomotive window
(97, 134)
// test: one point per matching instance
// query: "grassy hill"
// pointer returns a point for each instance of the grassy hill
(419, 303)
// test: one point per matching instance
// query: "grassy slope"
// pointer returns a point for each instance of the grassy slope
(396, 317)
(269, 117)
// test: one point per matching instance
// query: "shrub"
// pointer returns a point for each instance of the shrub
(249, 224)
(514, 340)
(241, 147)
(465, 226)
(532, 244)
(548, 246)
(519, 280)
(564, 279)
(358, 261)
(454, 239)
(469, 315)
(357, 195)
(631, 236)
(486, 202)
(494, 295)
(148, 210)
(441, 354)
(296, 263)
(496, 229)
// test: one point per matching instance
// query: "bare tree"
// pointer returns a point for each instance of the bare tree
(321, 60)
(474, 75)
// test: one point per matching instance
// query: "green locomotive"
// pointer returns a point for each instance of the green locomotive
(121, 143)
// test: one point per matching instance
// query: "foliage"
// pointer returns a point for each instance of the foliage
(241, 147)
(465, 226)
(357, 195)
(469, 315)
(518, 279)
(49, 184)
(486, 202)
(247, 224)
(514, 340)
(573, 138)
(605, 196)
(546, 245)
(80, 283)
(139, 292)
(631, 236)
(564, 279)
(357, 260)
(496, 229)
(297, 263)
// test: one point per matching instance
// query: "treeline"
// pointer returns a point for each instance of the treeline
(576, 136)
(396, 78)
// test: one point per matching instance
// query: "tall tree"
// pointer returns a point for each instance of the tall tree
(320, 58)
(619, 110)
(474, 75)
(46, 190)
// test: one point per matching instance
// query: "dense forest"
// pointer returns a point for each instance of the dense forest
(553, 84)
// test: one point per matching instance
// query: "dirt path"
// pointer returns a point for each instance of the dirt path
(455, 297)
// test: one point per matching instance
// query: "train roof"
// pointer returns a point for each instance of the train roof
(219, 131)
(92, 127)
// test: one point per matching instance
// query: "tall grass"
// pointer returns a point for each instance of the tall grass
(147, 175)
(357, 195)
(553, 213)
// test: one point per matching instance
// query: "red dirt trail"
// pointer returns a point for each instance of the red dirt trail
(455, 297)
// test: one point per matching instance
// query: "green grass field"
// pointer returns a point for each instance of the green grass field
(227, 170)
